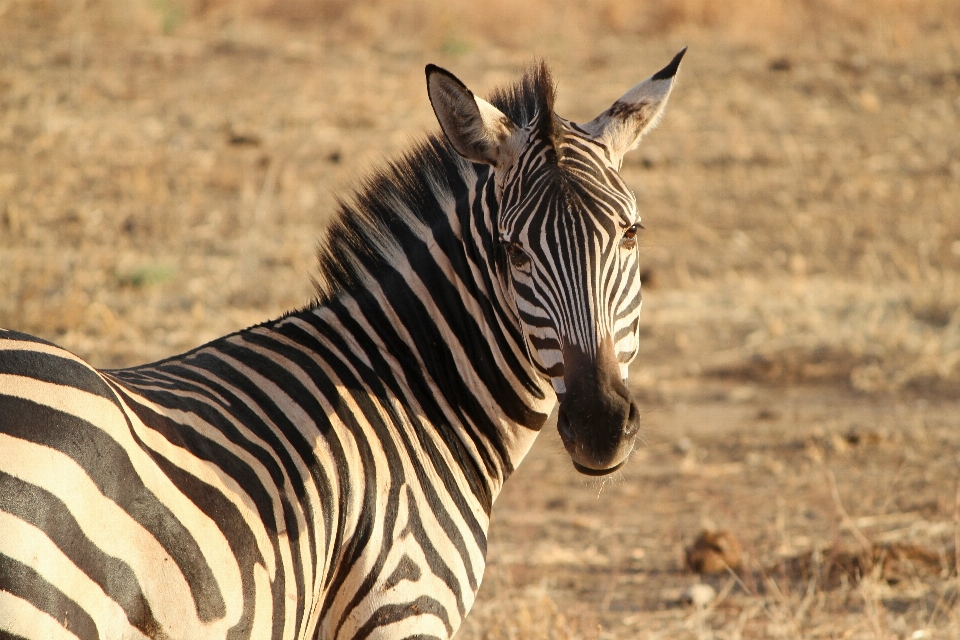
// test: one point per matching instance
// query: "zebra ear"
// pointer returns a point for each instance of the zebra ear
(622, 125)
(475, 128)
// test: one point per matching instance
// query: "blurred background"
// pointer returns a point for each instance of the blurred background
(168, 166)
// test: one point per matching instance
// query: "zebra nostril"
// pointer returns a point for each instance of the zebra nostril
(563, 427)
(633, 420)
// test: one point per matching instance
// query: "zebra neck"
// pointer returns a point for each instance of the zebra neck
(431, 329)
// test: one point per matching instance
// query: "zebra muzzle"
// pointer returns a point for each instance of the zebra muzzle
(597, 449)
(598, 419)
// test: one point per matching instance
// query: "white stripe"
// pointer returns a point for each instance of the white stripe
(513, 437)
(110, 528)
(31, 546)
(39, 347)
(208, 471)
(262, 624)
(295, 413)
(21, 618)
(426, 626)
(106, 416)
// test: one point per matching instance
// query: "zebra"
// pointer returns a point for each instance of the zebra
(330, 474)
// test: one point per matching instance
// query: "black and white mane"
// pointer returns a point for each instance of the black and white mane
(415, 192)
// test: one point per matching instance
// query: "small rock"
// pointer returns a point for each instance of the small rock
(780, 64)
(714, 552)
(699, 595)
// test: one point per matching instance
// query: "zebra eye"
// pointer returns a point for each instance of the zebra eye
(631, 231)
(518, 257)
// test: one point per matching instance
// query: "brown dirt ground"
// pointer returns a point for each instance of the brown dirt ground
(165, 175)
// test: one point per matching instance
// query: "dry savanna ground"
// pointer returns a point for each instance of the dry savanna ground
(167, 167)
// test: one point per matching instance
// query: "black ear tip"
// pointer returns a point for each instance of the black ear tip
(671, 69)
(432, 69)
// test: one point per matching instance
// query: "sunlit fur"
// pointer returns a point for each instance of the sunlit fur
(329, 474)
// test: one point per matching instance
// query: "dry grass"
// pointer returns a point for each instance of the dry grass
(459, 24)
(166, 168)
(456, 23)
(899, 22)
(835, 545)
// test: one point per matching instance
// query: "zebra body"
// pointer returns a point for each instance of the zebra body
(330, 474)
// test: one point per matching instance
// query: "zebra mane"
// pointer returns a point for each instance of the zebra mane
(394, 208)
(530, 100)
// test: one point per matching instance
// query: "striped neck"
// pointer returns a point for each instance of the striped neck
(434, 321)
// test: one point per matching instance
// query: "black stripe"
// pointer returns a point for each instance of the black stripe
(217, 456)
(419, 384)
(108, 466)
(53, 369)
(435, 557)
(223, 402)
(25, 583)
(254, 393)
(461, 248)
(479, 481)
(408, 434)
(357, 546)
(347, 553)
(242, 542)
(48, 513)
(212, 409)
(391, 613)
(16, 336)
(406, 569)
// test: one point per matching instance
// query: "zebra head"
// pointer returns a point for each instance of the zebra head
(567, 225)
